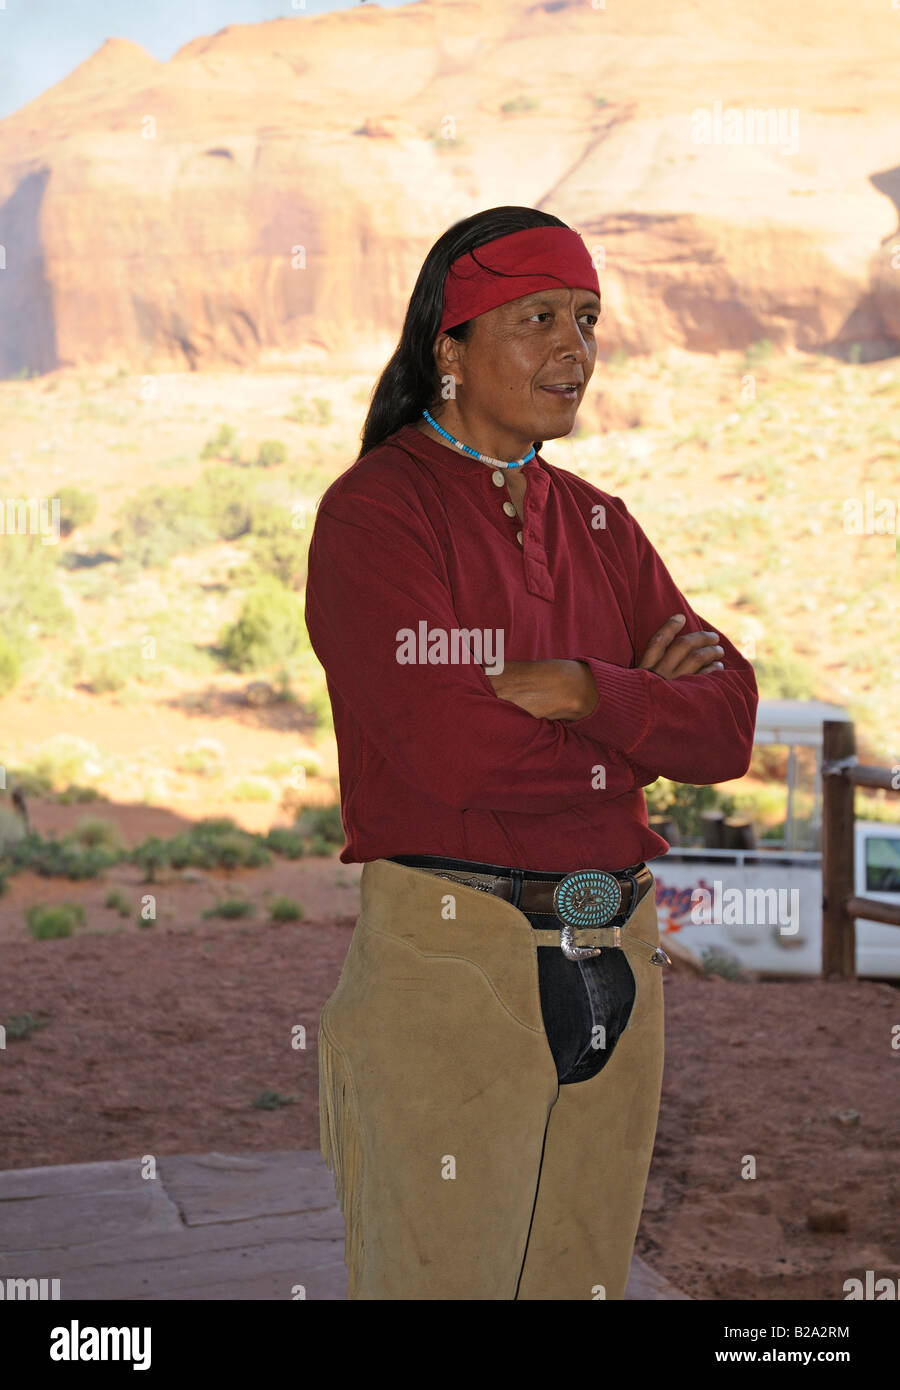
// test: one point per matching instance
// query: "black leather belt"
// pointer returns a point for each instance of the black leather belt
(585, 898)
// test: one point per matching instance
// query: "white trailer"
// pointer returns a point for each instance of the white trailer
(763, 907)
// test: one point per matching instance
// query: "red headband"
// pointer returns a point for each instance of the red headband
(540, 258)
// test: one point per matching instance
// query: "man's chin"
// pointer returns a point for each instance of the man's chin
(555, 429)
(558, 421)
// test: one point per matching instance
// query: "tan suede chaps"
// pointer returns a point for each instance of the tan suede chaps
(464, 1170)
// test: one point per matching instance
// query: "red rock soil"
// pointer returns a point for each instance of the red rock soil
(158, 1040)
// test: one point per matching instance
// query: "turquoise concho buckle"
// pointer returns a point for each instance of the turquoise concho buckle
(586, 898)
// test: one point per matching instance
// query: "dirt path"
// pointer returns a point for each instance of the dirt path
(159, 1041)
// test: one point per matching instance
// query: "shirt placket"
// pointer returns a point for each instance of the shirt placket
(530, 536)
(498, 478)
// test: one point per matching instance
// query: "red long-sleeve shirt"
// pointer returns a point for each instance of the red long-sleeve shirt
(431, 759)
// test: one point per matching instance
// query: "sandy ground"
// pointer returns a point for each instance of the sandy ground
(158, 1041)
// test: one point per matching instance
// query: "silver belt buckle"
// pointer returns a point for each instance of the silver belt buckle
(584, 899)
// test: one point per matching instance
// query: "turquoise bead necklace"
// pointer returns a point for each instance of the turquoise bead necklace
(484, 458)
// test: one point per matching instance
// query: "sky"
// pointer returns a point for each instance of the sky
(41, 41)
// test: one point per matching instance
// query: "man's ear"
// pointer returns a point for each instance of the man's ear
(447, 352)
(448, 359)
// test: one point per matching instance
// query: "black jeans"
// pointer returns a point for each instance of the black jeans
(585, 1004)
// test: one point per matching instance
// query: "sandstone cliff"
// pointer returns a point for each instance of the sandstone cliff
(269, 193)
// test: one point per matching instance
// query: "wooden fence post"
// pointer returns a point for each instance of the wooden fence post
(838, 927)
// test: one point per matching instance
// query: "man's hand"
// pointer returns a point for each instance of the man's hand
(557, 689)
(561, 689)
(671, 656)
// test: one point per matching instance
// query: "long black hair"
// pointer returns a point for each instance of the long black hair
(410, 382)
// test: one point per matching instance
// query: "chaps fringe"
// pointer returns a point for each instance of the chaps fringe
(340, 1144)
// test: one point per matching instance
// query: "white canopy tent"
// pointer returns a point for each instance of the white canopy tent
(797, 723)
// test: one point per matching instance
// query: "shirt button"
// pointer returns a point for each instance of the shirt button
(519, 538)
(498, 478)
(509, 509)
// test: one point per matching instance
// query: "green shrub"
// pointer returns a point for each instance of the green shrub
(716, 962)
(59, 859)
(286, 842)
(151, 855)
(685, 804)
(29, 595)
(110, 670)
(158, 522)
(271, 1100)
(316, 412)
(520, 103)
(284, 555)
(76, 508)
(286, 694)
(225, 499)
(222, 445)
(301, 761)
(271, 452)
(217, 843)
(204, 758)
(63, 760)
(251, 789)
(214, 843)
(10, 665)
(285, 910)
(21, 1026)
(781, 675)
(323, 822)
(270, 628)
(117, 901)
(33, 783)
(277, 547)
(76, 794)
(51, 923)
(758, 352)
(94, 832)
(318, 704)
(230, 908)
